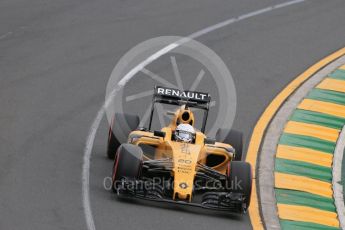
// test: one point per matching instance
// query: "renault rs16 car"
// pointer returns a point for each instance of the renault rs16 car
(179, 163)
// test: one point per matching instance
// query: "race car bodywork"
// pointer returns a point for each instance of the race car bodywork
(206, 173)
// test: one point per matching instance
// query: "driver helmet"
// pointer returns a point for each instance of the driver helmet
(185, 133)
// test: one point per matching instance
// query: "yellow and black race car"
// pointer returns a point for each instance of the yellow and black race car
(180, 164)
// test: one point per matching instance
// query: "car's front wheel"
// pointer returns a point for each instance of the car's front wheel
(127, 164)
(240, 179)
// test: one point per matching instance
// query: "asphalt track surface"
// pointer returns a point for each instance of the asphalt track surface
(55, 61)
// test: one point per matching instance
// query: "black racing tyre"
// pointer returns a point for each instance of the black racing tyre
(113, 144)
(121, 126)
(233, 138)
(127, 163)
(240, 179)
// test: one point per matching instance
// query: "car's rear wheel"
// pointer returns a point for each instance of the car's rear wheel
(121, 126)
(127, 163)
(233, 138)
(240, 179)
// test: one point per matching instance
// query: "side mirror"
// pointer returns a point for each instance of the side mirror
(209, 141)
(159, 134)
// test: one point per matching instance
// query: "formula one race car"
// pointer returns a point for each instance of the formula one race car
(180, 164)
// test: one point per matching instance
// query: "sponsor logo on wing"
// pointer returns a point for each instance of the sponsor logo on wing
(182, 94)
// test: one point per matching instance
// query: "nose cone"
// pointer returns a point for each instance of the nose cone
(185, 157)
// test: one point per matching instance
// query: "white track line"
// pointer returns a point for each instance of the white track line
(338, 192)
(5, 35)
(93, 130)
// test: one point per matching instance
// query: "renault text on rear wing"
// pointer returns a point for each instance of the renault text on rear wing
(182, 95)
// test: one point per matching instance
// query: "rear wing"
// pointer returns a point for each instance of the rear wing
(178, 97)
